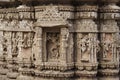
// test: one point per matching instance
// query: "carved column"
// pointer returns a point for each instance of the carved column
(37, 46)
(64, 44)
(2, 14)
(3, 65)
(25, 41)
(87, 44)
(12, 19)
(109, 55)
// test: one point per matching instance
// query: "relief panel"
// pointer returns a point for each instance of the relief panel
(108, 47)
(53, 46)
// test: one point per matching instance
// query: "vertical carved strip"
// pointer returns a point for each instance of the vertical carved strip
(9, 45)
(37, 48)
(1, 42)
(87, 41)
(64, 44)
(20, 34)
(109, 63)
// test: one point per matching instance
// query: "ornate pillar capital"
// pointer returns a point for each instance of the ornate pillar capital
(110, 11)
(87, 12)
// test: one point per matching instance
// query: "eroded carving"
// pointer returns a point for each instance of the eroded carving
(108, 47)
(53, 45)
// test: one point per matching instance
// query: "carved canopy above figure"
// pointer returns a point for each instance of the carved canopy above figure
(49, 16)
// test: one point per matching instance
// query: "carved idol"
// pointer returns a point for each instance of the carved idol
(53, 45)
(107, 48)
(25, 41)
(4, 46)
(85, 48)
(14, 43)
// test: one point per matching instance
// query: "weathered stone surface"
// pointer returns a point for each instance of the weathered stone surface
(79, 41)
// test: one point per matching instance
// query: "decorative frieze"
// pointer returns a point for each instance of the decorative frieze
(45, 14)
(59, 42)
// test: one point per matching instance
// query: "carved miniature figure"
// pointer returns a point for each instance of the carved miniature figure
(85, 48)
(53, 45)
(108, 46)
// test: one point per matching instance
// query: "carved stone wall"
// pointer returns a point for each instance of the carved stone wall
(59, 42)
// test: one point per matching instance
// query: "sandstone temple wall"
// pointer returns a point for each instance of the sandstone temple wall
(60, 41)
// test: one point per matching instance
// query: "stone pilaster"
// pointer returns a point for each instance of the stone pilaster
(109, 55)
(37, 46)
(87, 44)
(3, 62)
(25, 41)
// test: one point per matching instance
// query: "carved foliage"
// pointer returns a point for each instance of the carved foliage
(109, 26)
(86, 25)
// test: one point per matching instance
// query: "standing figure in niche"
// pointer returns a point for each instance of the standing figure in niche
(4, 44)
(53, 45)
(85, 48)
(25, 41)
(107, 49)
(15, 44)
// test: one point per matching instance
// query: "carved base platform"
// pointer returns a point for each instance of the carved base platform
(108, 72)
(54, 74)
(86, 73)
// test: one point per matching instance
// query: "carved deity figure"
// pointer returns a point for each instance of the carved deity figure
(4, 44)
(27, 40)
(53, 45)
(107, 46)
(14, 43)
(85, 48)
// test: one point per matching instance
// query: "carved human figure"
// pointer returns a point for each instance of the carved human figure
(14, 43)
(85, 48)
(25, 41)
(13, 24)
(4, 44)
(107, 45)
(53, 45)
(30, 39)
